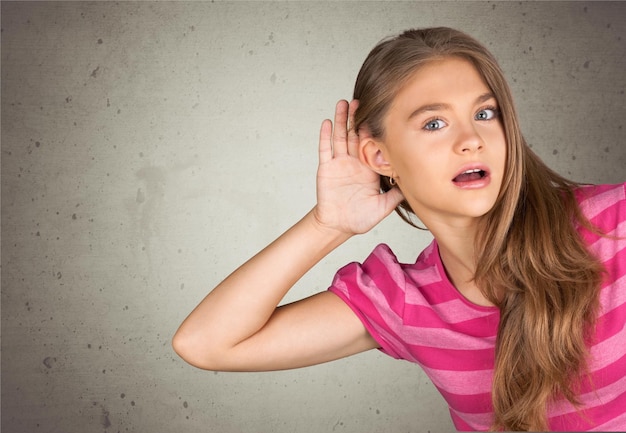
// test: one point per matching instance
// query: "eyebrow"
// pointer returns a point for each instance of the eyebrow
(441, 106)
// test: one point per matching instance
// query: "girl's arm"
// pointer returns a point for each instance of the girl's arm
(238, 327)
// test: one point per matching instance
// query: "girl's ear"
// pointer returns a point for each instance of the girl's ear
(371, 153)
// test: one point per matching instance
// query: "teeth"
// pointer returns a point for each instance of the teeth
(476, 170)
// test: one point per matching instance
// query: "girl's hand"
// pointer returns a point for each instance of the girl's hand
(348, 191)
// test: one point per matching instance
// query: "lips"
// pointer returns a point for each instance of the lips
(472, 176)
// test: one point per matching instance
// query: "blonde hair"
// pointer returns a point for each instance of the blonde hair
(532, 263)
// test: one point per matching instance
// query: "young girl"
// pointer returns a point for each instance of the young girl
(516, 311)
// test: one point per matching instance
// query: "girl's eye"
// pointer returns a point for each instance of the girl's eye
(435, 124)
(487, 114)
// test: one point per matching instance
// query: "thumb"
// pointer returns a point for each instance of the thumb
(392, 199)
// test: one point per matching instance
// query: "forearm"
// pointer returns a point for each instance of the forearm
(244, 302)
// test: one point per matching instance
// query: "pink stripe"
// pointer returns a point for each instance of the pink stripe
(604, 412)
(616, 424)
(393, 345)
(381, 278)
(424, 277)
(436, 293)
(370, 305)
(455, 359)
(461, 383)
(472, 421)
(459, 423)
(563, 416)
(606, 252)
(604, 214)
(397, 333)
(385, 268)
(456, 311)
(592, 399)
(441, 338)
(610, 324)
(435, 288)
(428, 252)
(432, 337)
(608, 351)
(606, 376)
(477, 404)
(375, 302)
(390, 344)
(451, 312)
(437, 337)
(610, 216)
(614, 296)
(481, 327)
(607, 195)
(364, 283)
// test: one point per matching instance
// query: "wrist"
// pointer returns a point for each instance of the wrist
(330, 234)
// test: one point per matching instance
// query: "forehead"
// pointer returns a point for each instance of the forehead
(443, 80)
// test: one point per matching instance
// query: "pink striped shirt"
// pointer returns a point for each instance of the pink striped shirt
(415, 313)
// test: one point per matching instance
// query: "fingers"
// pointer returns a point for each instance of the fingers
(340, 138)
(353, 138)
(340, 131)
(325, 146)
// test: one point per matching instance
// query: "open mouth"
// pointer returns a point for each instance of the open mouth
(470, 175)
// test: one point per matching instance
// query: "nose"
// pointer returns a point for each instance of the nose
(468, 139)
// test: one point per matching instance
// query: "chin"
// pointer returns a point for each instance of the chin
(478, 210)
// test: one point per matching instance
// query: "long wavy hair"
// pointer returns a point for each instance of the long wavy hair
(531, 261)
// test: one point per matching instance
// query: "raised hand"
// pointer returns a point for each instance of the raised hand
(348, 191)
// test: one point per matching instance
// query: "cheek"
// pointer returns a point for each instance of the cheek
(419, 170)
(498, 141)
(496, 132)
(501, 152)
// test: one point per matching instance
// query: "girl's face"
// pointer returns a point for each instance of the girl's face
(445, 143)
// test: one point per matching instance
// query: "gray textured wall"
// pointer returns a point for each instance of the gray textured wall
(150, 148)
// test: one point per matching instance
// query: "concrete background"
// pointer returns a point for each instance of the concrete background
(150, 148)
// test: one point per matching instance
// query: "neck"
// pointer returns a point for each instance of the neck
(458, 257)
(457, 252)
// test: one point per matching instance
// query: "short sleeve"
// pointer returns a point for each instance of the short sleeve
(375, 291)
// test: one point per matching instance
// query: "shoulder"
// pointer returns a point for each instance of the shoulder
(605, 208)
(381, 282)
(380, 269)
(597, 199)
(379, 291)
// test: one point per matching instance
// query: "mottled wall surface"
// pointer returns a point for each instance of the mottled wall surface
(149, 148)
